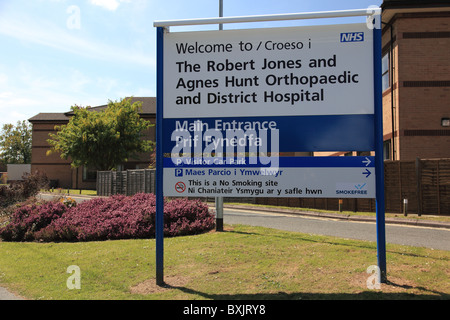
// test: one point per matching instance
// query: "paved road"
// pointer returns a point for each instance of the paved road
(436, 238)
(6, 295)
(77, 198)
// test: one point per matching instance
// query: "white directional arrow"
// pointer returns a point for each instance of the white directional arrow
(367, 161)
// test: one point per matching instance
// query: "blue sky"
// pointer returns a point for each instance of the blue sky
(59, 53)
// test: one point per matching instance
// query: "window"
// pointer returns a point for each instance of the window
(387, 150)
(89, 174)
(385, 71)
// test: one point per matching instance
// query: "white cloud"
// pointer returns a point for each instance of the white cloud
(28, 87)
(5, 95)
(107, 4)
(3, 79)
(45, 33)
(111, 5)
(78, 81)
(31, 91)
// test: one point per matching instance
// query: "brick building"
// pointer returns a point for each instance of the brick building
(60, 170)
(416, 80)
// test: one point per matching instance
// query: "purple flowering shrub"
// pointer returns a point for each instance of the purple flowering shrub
(115, 217)
(28, 219)
(184, 217)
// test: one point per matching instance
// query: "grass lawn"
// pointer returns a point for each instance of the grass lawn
(72, 191)
(241, 263)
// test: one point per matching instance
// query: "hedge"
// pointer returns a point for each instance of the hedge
(115, 217)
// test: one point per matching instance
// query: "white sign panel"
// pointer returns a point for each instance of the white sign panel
(266, 182)
(319, 70)
(332, 177)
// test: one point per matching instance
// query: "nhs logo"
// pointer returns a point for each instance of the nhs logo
(352, 36)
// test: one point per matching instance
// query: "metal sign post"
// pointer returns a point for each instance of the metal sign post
(379, 165)
(159, 223)
(247, 82)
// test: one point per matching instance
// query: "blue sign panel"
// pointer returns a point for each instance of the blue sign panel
(296, 133)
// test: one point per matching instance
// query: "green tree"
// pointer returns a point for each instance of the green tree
(102, 139)
(15, 143)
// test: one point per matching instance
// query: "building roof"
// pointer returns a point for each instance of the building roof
(148, 104)
(148, 108)
(402, 4)
(49, 117)
(392, 7)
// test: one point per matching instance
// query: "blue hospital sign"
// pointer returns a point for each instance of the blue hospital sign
(236, 99)
(230, 103)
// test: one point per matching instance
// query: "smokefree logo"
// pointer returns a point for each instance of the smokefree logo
(351, 188)
(352, 36)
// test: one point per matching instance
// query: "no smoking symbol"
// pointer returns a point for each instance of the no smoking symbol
(180, 187)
